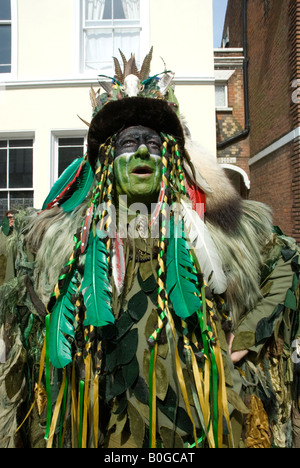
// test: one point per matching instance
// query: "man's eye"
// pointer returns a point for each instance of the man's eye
(128, 143)
(154, 144)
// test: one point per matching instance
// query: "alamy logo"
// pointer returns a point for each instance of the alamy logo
(296, 353)
(296, 93)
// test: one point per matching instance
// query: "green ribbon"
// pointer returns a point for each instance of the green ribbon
(48, 378)
(150, 392)
(209, 353)
(81, 398)
(63, 412)
(214, 384)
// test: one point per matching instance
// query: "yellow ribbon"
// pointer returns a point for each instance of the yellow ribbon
(86, 404)
(222, 393)
(96, 409)
(198, 376)
(74, 420)
(181, 378)
(152, 415)
(42, 362)
(56, 411)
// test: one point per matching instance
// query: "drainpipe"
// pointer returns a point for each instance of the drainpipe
(244, 133)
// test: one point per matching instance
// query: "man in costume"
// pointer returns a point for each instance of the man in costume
(151, 306)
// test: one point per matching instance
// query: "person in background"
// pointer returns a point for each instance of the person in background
(6, 229)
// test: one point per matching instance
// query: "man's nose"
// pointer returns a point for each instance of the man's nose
(143, 151)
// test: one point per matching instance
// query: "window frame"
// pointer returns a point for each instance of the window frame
(223, 84)
(79, 55)
(20, 136)
(55, 136)
(14, 42)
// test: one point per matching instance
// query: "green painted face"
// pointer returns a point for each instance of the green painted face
(137, 165)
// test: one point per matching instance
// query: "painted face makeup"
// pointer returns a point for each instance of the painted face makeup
(137, 164)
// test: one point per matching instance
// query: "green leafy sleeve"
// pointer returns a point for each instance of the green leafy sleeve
(279, 304)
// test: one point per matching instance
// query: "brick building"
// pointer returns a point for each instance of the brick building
(263, 115)
(231, 126)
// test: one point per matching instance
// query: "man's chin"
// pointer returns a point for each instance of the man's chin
(140, 195)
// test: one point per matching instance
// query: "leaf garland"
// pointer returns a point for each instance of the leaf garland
(96, 288)
(181, 281)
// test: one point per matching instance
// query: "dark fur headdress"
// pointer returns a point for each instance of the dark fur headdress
(156, 114)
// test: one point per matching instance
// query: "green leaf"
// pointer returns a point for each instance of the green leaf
(137, 306)
(181, 280)
(5, 226)
(122, 352)
(61, 324)
(96, 287)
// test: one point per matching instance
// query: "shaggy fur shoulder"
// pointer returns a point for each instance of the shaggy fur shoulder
(223, 203)
(242, 255)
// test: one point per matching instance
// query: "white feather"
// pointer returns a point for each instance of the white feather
(205, 249)
(118, 264)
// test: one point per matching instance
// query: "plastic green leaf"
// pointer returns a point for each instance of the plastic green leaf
(61, 324)
(83, 186)
(181, 275)
(96, 287)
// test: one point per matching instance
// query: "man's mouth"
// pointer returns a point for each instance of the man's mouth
(142, 171)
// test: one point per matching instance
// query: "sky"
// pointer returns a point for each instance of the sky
(219, 10)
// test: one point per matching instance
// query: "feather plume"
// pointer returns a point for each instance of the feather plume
(197, 197)
(131, 68)
(80, 188)
(181, 274)
(96, 287)
(93, 98)
(107, 88)
(61, 324)
(123, 58)
(84, 121)
(205, 249)
(63, 184)
(145, 68)
(118, 264)
(86, 228)
(119, 75)
(158, 205)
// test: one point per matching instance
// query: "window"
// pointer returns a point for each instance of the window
(68, 150)
(66, 145)
(221, 96)
(16, 174)
(109, 25)
(5, 36)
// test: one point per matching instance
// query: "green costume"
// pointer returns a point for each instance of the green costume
(117, 321)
